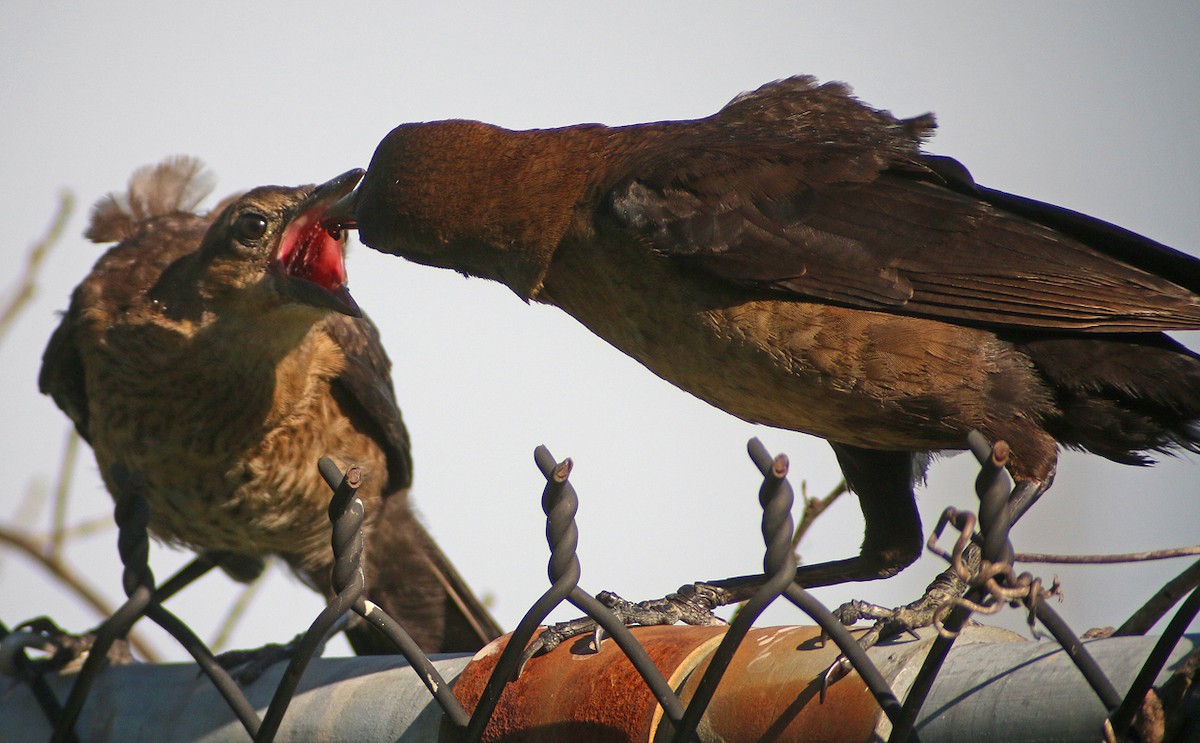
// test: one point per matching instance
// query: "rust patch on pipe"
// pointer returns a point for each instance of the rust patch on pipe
(574, 694)
(770, 691)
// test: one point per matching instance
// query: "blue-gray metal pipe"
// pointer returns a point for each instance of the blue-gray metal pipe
(339, 700)
(994, 686)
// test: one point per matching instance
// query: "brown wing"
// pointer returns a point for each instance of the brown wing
(364, 390)
(61, 375)
(120, 279)
(803, 190)
(410, 576)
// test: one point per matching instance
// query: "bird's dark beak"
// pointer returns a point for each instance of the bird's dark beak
(311, 257)
(338, 300)
(342, 214)
(335, 189)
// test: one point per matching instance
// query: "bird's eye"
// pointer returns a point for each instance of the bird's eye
(250, 226)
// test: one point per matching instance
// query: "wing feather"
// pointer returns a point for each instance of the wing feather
(804, 191)
(364, 389)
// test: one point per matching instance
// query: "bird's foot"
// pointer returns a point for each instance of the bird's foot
(247, 666)
(64, 652)
(691, 604)
(944, 591)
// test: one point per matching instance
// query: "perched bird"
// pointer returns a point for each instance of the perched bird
(216, 357)
(797, 260)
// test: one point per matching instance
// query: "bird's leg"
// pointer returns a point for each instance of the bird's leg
(253, 663)
(65, 651)
(1024, 495)
(242, 568)
(691, 604)
(883, 482)
(946, 588)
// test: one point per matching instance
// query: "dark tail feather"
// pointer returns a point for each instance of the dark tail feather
(1128, 247)
(1121, 395)
(410, 578)
(469, 625)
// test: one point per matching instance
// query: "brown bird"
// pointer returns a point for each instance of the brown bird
(216, 357)
(797, 260)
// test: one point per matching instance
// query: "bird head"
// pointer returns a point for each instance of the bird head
(269, 243)
(474, 198)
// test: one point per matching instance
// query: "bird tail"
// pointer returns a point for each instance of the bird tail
(1122, 395)
(411, 579)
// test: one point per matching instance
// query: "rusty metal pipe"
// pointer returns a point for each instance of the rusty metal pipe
(994, 683)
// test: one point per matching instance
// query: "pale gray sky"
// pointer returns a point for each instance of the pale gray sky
(1090, 105)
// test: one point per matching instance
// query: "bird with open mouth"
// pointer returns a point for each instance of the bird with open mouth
(213, 358)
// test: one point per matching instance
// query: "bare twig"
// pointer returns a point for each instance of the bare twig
(65, 575)
(1166, 554)
(88, 527)
(66, 470)
(236, 611)
(29, 507)
(814, 507)
(27, 283)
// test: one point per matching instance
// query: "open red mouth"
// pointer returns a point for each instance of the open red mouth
(308, 251)
(311, 257)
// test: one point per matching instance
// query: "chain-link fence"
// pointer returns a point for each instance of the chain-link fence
(740, 683)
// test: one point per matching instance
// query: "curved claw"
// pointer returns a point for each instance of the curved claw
(839, 670)
(553, 636)
(598, 636)
(540, 644)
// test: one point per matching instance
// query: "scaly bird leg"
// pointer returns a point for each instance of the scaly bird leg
(883, 481)
(246, 666)
(946, 588)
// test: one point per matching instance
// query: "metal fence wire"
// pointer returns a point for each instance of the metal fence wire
(982, 556)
